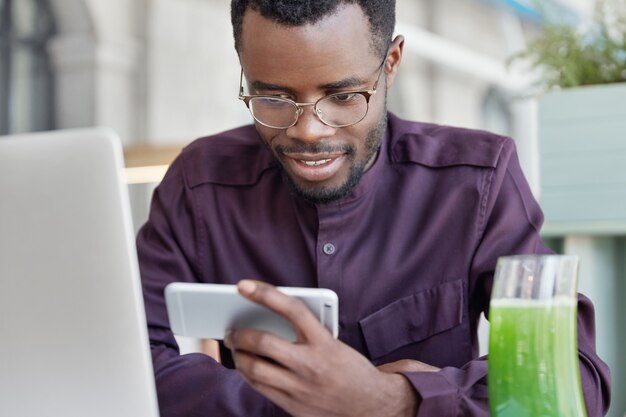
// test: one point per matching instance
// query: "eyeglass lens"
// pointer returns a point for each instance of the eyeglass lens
(342, 109)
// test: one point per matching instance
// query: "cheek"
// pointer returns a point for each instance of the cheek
(359, 136)
(377, 105)
(267, 134)
(375, 115)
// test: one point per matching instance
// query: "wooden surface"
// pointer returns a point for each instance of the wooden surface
(150, 155)
(147, 164)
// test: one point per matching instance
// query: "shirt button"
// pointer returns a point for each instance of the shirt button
(329, 249)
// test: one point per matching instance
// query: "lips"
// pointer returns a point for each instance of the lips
(313, 168)
(315, 163)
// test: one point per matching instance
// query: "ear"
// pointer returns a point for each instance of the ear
(393, 59)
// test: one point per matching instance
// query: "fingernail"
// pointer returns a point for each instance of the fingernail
(246, 287)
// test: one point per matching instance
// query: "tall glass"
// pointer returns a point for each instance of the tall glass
(533, 355)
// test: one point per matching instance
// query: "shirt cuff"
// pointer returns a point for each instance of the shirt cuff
(438, 397)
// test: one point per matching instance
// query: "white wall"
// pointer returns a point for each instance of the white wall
(193, 71)
(165, 71)
(95, 59)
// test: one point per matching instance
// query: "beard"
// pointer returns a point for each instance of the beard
(327, 195)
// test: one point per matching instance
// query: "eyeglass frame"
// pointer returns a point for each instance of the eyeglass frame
(300, 106)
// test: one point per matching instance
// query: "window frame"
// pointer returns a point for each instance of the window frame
(34, 44)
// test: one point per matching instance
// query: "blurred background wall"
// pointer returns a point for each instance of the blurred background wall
(163, 72)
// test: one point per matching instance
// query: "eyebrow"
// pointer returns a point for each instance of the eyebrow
(350, 82)
(260, 85)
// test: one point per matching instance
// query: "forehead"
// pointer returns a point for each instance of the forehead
(337, 46)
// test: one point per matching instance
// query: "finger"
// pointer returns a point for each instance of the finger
(279, 397)
(262, 343)
(258, 371)
(306, 325)
(274, 383)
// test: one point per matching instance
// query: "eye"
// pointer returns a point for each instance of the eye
(345, 98)
(270, 102)
(277, 96)
(274, 99)
(273, 94)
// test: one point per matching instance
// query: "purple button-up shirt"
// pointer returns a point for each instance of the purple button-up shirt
(410, 252)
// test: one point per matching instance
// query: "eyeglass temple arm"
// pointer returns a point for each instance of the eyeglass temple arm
(382, 67)
(241, 83)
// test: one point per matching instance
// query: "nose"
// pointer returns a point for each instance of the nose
(309, 127)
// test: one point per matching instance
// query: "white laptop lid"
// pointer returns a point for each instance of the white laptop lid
(73, 337)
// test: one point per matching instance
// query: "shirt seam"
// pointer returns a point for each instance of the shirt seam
(201, 244)
(520, 194)
(482, 209)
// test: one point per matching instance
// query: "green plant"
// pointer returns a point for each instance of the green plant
(569, 56)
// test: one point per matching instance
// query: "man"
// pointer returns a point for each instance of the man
(403, 220)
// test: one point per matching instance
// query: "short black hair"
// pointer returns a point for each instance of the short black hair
(380, 13)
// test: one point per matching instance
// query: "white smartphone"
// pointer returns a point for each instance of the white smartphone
(206, 311)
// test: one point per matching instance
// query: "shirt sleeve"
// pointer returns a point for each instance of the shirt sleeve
(192, 384)
(509, 223)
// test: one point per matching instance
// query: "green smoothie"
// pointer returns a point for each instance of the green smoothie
(533, 359)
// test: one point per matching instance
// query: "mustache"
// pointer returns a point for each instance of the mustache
(315, 148)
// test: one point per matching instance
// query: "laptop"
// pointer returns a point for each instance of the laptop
(73, 336)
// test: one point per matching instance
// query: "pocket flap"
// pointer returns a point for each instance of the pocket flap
(413, 318)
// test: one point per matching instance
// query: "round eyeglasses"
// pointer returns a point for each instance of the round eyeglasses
(341, 109)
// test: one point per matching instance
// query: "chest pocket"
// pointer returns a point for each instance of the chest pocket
(414, 318)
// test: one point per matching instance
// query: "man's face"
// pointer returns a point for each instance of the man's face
(321, 163)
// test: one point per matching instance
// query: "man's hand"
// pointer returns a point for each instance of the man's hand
(407, 365)
(317, 375)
